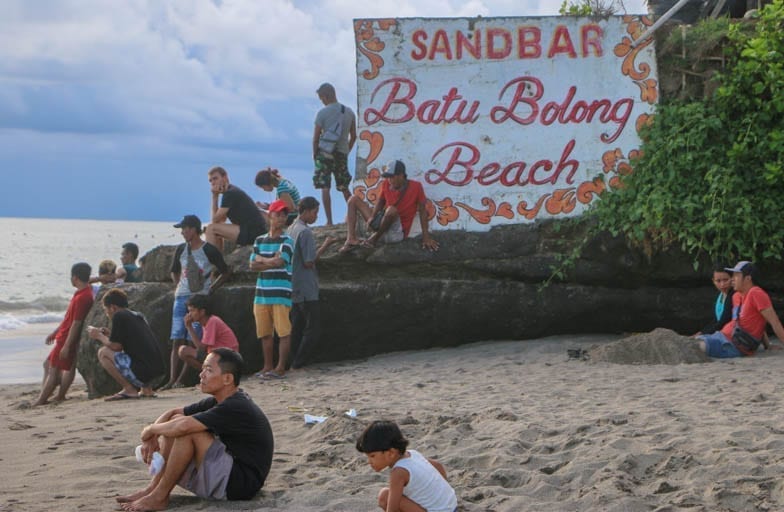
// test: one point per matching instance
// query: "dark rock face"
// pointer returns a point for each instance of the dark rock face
(479, 286)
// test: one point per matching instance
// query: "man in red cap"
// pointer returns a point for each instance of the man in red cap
(271, 258)
(398, 204)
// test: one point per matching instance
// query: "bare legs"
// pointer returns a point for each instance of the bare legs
(356, 206)
(178, 453)
(326, 202)
(406, 505)
(176, 371)
(54, 377)
(106, 358)
(216, 233)
(268, 350)
(189, 355)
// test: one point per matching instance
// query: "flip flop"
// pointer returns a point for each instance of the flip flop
(120, 396)
(367, 244)
(347, 247)
(273, 375)
(154, 395)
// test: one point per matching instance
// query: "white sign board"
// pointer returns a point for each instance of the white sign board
(503, 120)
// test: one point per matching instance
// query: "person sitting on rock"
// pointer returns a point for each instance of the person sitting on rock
(751, 311)
(219, 448)
(130, 354)
(400, 200)
(269, 180)
(245, 219)
(214, 332)
(129, 271)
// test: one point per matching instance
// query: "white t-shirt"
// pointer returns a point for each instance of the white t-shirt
(425, 485)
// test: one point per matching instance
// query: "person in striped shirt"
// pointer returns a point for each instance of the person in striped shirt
(269, 179)
(271, 258)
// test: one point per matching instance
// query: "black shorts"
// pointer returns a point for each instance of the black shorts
(249, 232)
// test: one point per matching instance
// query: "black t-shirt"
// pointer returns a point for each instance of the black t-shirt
(132, 331)
(244, 429)
(242, 209)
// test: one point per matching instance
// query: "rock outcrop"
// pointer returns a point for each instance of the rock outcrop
(479, 286)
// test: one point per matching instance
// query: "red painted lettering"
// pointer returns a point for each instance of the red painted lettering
(418, 40)
(494, 52)
(591, 36)
(521, 85)
(464, 41)
(529, 41)
(387, 113)
(440, 45)
(561, 43)
(460, 169)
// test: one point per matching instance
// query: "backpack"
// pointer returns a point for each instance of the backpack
(331, 134)
(195, 274)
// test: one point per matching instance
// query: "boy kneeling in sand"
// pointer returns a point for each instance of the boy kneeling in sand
(416, 484)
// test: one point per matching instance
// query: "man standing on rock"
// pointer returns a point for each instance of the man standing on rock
(236, 206)
(219, 448)
(60, 366)
(130, 353)
(334, 134)
(751, 311)
(400, 200)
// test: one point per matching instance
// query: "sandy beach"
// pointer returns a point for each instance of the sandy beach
(519, 426)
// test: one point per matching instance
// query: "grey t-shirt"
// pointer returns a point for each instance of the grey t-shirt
(304, 281)
(329, 115)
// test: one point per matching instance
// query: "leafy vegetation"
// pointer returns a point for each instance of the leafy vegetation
(590, 7)
(711, 178)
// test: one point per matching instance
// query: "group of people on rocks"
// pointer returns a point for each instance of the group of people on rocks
(221, 447)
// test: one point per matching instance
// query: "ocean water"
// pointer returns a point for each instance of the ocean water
(35, 285)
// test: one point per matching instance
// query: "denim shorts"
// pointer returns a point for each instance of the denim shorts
(122, 362)
(717, 345)
(180, 309)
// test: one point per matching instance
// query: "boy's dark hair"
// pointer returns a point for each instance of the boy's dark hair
(200, 301)
(81, 271)
(380, 436)
(131, 248)
(307, 203)
(115, 297)
(230, 362)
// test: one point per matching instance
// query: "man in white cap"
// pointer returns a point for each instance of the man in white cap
(393, 214)
(751, 311)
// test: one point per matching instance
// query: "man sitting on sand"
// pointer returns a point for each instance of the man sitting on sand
(219, 448)
(130, 354)
(751, 311)
(399, 201)
(60, 366)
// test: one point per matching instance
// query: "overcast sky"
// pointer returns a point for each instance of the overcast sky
(116, 110)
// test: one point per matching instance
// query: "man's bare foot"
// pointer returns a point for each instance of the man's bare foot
(39, 403)
(135, 496)
(146, 504)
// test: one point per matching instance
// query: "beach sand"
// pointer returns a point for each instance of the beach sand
(519, 426)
